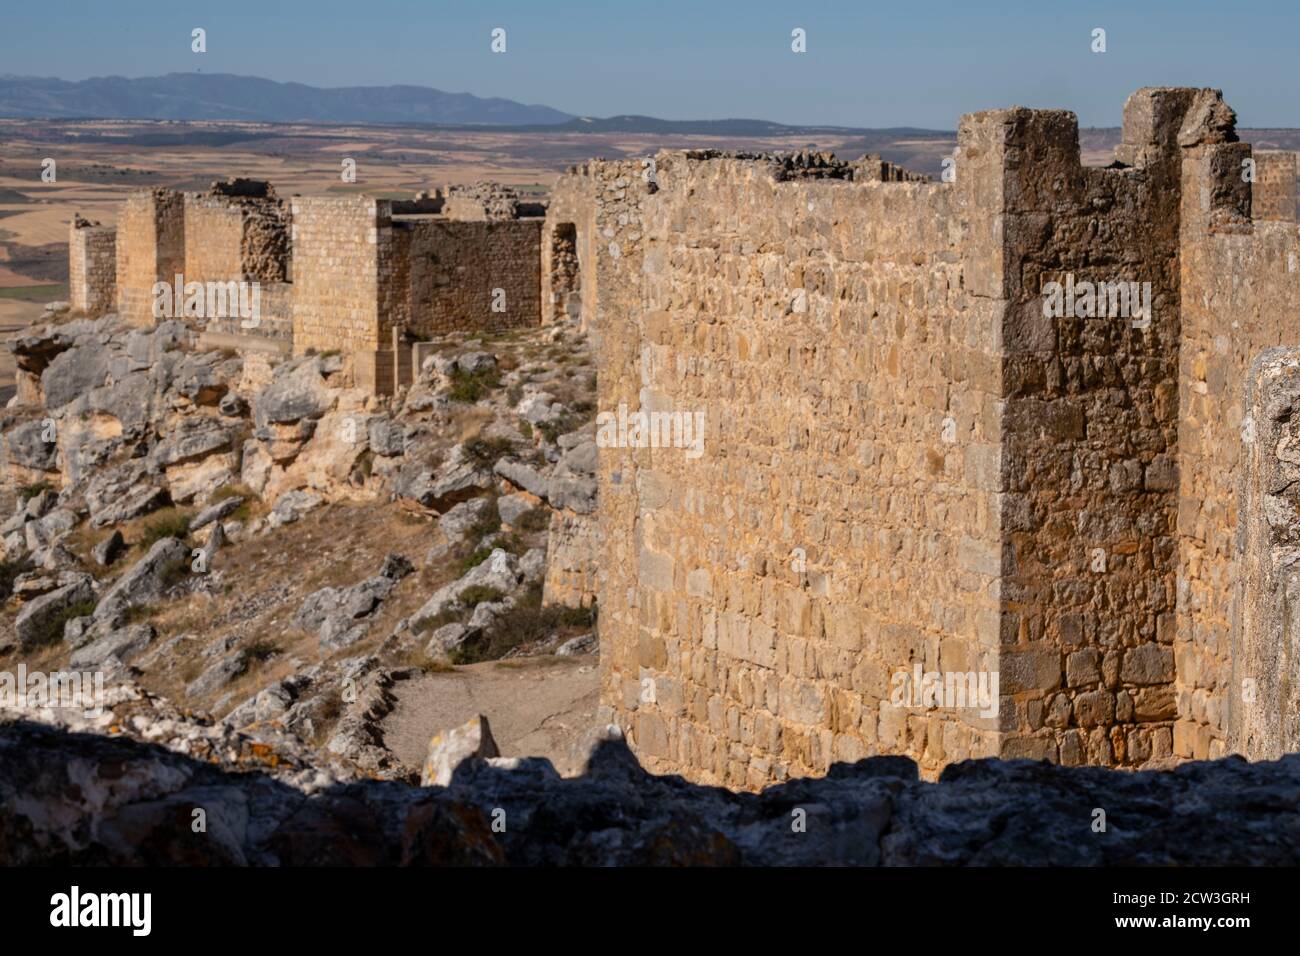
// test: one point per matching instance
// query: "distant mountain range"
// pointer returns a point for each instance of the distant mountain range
(224, 96)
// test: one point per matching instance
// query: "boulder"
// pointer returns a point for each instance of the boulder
(26, 446)
(38, 616)
(218, 675)
(456, 522)
(291, 506)
(513, 507)
(145, 580)
(449, 749)
(339, 616)
(121, 644)
(140, 500)
(215, 512)
(500, 571)
(109, 550)
(73, 373)
(296, 391)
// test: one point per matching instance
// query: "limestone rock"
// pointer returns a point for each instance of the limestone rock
(449, 749)
(34, 622)
(146, 580)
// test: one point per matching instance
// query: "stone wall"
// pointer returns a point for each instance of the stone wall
(907, 463)
(214, 238)
(150, 248)
(92, 266)
(473, 276)
(337, 244)
(1273, 193)
(1089, 457)
(1262, 718)
(1240, 283)
(569, 230)
(757, 599)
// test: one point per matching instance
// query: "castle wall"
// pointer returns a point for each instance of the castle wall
(1273, 193)
(756, 601)
(150, 248)
(1089, 453)
(473, 276)
(1262, 719)
(214, 237)
(572, 203)
(92, 268)
(338, 247)
(1239, 281)
(907, 462)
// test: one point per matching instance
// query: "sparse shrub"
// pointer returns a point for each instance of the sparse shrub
(447, 615)
(166, 524)
(174, 572)
(486, 451)
(515, 395)
(486, 523)
(28, 492)
(52, 630)
(245, 510)
(421, 659)
(478, 594)
(9, 571)
(525, 428)
(262, 650)
(528, 622)
(534, 520)
(474, 559)
(469, 387)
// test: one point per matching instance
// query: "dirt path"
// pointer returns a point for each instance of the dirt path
(537, 706)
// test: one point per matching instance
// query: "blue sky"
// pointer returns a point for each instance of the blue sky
(867, 63)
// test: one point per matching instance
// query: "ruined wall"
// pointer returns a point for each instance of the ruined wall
(1091, 425)
(573, 207)
(1263, 712)
(214, 238)
(572, 559)
(92, 266)
(758, 599)
(473, 276)
(1273, 193)
(1240, 282)
(337, 245)
(150, 248)
(908, 462)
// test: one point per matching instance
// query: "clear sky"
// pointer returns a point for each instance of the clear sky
(868, 63)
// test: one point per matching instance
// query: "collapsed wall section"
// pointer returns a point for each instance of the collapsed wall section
(568, 242)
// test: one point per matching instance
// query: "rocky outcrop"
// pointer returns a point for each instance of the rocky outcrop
(71, 795)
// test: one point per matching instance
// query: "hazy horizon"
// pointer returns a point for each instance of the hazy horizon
(862, 68)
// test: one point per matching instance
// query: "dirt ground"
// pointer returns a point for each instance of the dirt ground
(536, 706)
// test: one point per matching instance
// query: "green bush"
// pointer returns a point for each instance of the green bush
(173, 524)
(469, 387)
(51, 631)
(526, 623)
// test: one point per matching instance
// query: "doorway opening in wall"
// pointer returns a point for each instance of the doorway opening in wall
(566, 275)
